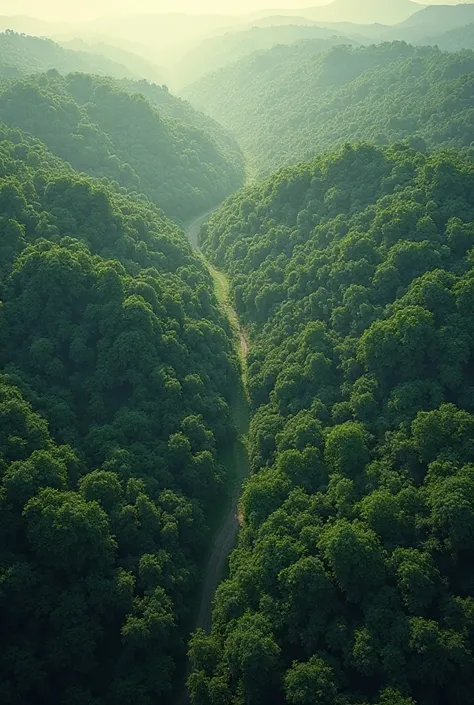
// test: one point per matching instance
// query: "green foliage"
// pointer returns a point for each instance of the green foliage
(116, 369)
(21, 54)
(290, 103)
(306, 682)
(354, 277)
(173, 107)
(111, 134)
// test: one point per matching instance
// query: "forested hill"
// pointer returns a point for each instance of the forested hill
(288, 104)
(353, 579)
(174, 107)
(215, 52)
(106, 132)
(21, 54)
(116, 369)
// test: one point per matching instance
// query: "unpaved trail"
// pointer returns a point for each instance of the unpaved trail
(237, 460)
(220, 281)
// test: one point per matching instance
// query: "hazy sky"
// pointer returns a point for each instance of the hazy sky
(75, 9)
(85, 9)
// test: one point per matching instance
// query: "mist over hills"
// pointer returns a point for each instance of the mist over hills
(217, 52)
(137, 65)
(452, 15)
(20, 54)
(434, 20)
(364, 11)
(455, 39)
(185, 45)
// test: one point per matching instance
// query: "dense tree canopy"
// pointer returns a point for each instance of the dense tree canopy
(290, 103)
(116, 368)
(105, 131)
(174, 107)
(353, 579)
(353, 276)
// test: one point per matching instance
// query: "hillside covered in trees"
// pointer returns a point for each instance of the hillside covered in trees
(290, 103)
(174, 107)
(353, 579)
(116, 369)
(350, 279)
(109, 133)
(21, 54)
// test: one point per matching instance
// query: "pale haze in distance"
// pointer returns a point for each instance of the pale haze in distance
(79, 10)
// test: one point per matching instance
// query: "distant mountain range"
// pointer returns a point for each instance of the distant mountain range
(455, 39)
(215, 52)
(435, 20)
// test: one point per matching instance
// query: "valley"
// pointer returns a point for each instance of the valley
(237, 355)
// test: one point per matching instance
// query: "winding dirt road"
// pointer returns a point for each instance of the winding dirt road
(226, 536)
(220, 279)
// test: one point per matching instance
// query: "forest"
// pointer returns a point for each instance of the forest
(237, 356)
(352, 581)
(117, 370)
(289, 104)
(110, 133)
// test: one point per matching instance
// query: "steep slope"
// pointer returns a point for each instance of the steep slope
(174, 107)
(353, 576)
(116, 373)
(290, 103)
(106, 132)
(20, 54)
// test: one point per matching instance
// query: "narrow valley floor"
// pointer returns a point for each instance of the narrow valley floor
(236, 459)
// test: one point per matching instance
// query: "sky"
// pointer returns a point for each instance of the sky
(72, 10)
(84, 9)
